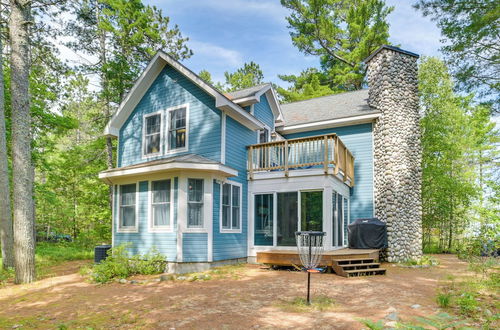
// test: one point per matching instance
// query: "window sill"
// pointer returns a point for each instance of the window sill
(127, 230)
(230, 231)
(161, 230)
(195, 230)
(176, 151)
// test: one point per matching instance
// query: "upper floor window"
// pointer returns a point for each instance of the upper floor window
(195, 203)
(160, 204)
(231, 207)
(152, 134)
(264, 135)
(127, 207)
(177, 128)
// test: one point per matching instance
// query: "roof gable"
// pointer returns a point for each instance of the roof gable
(148, 76)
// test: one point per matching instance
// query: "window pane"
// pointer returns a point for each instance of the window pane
(340, 213)
(153, 124)
(287, 221)
(311, 206)
(161, 215)
(128, 216)
(225, 216)
(195, 190)
(236, 196)
(128, 194)
(153, 144)
(226, 190)
(195, 215)
(264, 219)
(177, 129)
(161, 191)
(236, 218)
(178, 118)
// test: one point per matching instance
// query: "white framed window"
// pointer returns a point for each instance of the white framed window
(152, 134)
(161, 206)
(263, 135)
(231, 214)
(127, 208)
(195, 203)
(178, 128)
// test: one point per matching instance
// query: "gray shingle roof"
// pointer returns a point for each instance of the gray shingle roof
(246, 92)
(327, 108)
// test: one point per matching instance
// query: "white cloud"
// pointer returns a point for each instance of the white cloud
(229, 57)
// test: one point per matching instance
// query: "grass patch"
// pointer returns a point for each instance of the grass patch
(48, 255)
(425, 261)
(299, 305)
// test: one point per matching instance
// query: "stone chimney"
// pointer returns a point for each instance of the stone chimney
(393, 90)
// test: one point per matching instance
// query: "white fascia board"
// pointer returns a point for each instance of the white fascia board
(219, 168)
(145, 81)
(244, 101)
(348, 121)
(274, 103)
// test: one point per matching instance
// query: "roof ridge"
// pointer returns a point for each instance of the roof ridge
(325, 96)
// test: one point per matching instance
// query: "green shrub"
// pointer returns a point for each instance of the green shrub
(443, 299)
(467, 303)
(119, 264)
(424, 261)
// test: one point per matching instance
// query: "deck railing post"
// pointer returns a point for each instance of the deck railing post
(336, 157)
(325, 156)
(250, 162)
(286, 157)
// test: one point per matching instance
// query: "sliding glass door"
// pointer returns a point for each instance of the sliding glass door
(340, 219)
(287, 221)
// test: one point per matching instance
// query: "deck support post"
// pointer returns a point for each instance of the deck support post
(325, 157)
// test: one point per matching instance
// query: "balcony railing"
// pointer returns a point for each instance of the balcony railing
(322, 151)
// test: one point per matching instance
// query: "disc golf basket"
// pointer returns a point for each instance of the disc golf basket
(310, 248)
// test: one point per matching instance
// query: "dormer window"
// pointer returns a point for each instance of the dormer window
(177, 128)
(152, 134)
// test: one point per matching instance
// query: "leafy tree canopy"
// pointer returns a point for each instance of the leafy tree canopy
(470, 28)
(247, 76)
(342, 33)
(309, 84)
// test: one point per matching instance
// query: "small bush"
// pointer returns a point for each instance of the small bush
(467, 303)
(425, 261)
(443, 299)
(119, 264)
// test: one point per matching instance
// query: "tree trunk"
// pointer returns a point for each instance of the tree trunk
(6, 234)
(23, 172)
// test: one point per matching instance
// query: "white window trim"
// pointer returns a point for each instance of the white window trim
(129, 229)
(269, 133)
(160, 229)
(162, 134)
(225, 230)
(167, 142)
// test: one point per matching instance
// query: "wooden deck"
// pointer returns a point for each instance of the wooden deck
(291, 257)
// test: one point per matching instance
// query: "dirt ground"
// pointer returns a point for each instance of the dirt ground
(253, 299)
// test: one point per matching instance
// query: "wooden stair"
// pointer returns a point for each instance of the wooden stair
(357, 267)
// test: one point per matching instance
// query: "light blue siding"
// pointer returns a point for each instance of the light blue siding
(194, 247)
(359, 140)
(263, 112)
(144, 241)
(233, 245)
(168, 90)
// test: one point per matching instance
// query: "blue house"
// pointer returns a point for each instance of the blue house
(207, 177)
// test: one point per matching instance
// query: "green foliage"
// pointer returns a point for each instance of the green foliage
(457, 140)
(424, 261)
(119, 264)
(467, 303)
(372, 325)
(471, 32)
(342, 33)
(443, 299)
(247, 76)
(206, 76)
(309, 84)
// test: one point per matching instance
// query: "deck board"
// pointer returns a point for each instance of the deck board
(291, 257)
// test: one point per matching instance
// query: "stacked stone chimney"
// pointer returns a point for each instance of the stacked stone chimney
(393, 90)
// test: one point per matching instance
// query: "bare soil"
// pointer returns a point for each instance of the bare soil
(251, 298)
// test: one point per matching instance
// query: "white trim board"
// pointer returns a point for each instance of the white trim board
(347, 121)
(147, 77)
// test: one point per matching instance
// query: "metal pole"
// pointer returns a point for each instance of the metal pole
(308, 287)
(309, 273)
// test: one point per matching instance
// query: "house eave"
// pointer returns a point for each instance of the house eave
(110, 176)
(347, 121)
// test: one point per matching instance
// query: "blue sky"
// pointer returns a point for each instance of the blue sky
(224, 34)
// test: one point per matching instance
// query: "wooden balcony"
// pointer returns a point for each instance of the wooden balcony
(323, 151)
